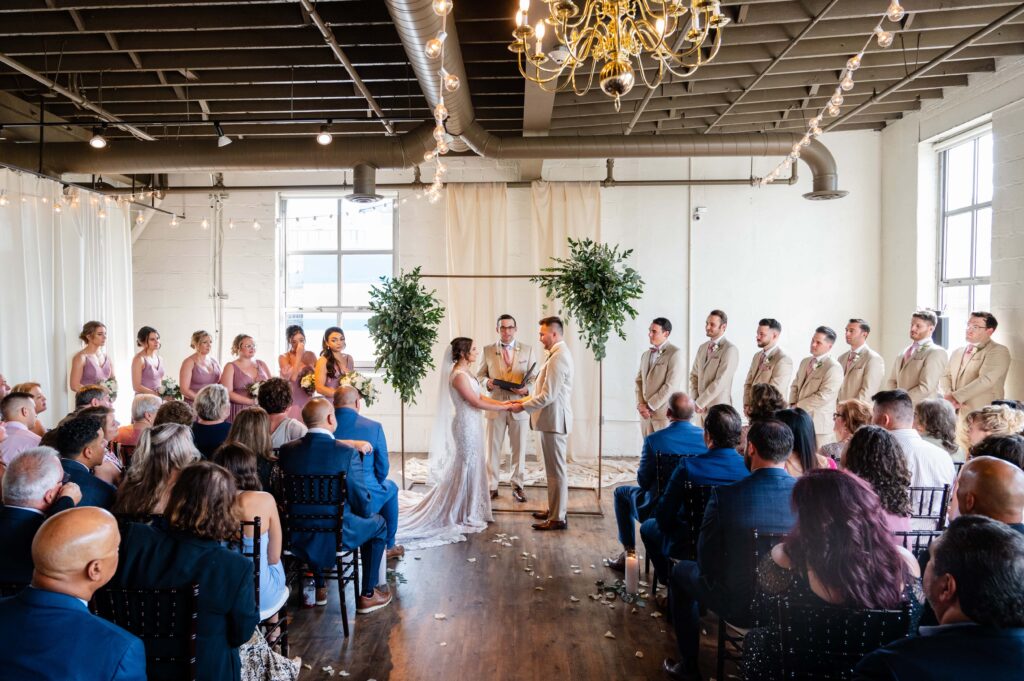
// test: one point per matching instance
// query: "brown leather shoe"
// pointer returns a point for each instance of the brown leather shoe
(494, 494)
(366, 604)
(321, 595)
(540, 515)
(396, 552)
(518, 494)
(618, 563)
(551, 525)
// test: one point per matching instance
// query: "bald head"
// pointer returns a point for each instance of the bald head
(75, 551)
(318, 413)
(346, 397)
(991, 487)
(680, 407)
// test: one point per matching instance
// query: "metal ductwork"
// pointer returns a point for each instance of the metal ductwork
(416, 23)
(364, 185)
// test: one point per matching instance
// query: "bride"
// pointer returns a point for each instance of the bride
(459, 501)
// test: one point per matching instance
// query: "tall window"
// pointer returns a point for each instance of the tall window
(334, 251)
(965, 259)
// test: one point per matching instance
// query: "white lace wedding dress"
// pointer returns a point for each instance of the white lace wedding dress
(460, 501)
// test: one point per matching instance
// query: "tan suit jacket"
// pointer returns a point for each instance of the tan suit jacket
(655, 384)
(979, 380)
(711, 376)
(864, 377)
(493, 366)
(919, 375)
(550, 407)
(777, 371)
(816, 393)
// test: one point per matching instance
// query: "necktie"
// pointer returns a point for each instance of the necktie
(655, 350)
(810, 365)
(506, 351)
(764, 358)
(911, 350)
(850, 359)
(711, 349)
(968, 351)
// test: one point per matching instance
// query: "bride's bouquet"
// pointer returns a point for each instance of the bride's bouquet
(364, 385)
(169, 389)
(254, 389)
(307, 381)
(111, 386)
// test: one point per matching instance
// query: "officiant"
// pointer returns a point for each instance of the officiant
(508, 370)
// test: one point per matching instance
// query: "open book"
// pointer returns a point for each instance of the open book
(509, 385)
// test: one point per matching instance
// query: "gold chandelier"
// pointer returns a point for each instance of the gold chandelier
(678, 35)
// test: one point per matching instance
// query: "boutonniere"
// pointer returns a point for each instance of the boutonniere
(818, 363)
(766, 362)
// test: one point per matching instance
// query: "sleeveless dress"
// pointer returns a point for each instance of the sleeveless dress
(299, 396)
(152, 374)
(461, 502)
(240, 383)
(273, 589)
(202, 377)
(94, 373)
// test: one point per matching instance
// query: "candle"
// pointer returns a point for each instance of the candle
(632, 573)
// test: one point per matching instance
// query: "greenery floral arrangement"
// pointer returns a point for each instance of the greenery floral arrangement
(254, 389)
(596, 288)
(111, 386)
(367, 390)
(169, 389)
(307, 381)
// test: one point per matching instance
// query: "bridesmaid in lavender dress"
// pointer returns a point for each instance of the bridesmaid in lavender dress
(242, 373)
(294, 364)
(147, 366)
(199, 369)
(91, 365)
(333, 363)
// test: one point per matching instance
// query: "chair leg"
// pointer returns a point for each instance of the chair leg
(341, 595)
(282, 618)
(647, 564)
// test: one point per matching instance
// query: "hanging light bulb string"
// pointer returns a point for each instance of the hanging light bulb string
(446, 82)
(894, 13)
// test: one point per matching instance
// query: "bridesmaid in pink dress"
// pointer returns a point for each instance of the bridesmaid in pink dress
(293, 365)
(91, 365)
(199, 369)
(243, 372)
(333, 363)
(147, 366)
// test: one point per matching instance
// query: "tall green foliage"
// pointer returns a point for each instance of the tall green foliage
(404, 330)
(595, 287)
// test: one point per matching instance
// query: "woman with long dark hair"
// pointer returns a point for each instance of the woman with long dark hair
(293, 365)
(333, 362)
(876, 457)
(805, 455)
(147, 366)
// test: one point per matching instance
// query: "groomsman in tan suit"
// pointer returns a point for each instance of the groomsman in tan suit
(662, 372)
(863, 368)
(919, 369)
(771, 365)
(816, 384)
(713, 367)
(976, 373)
(507, 360)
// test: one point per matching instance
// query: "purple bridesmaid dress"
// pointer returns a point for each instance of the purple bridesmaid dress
(152, 374)
(202, 377)
(94, 373)
(299, 396)
(240, 383)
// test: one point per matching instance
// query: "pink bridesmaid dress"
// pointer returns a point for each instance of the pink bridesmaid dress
(152, 374)
(94, 373)
(299, 396)
(202, 377)
(240, 383)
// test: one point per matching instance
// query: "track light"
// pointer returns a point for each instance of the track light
(98, 141)
(222, 139)
(324, 137)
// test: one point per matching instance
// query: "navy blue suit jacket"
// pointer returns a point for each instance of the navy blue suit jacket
(319, 454)
(759, 501)
(951, 653)
(95, 492)
(51, 636)
(680, 438)
(17, 530)
(374, 467)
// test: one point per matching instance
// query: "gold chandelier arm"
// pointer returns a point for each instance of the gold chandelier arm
(537, 78)
(650, 84)
(590, 80)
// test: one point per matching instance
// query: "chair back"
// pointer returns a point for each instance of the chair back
(825, 642)
(929, 503)
(695, 500)
(746, 599)
(254, 555)
(957, 465)
(917, 541)
(665, 465)
(165, 619)
(312, 504)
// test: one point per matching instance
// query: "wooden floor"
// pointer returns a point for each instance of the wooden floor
(499, 621)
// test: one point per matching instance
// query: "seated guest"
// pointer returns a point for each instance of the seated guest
(36, 391)
(998, 419)
(82, 446)
(668, 532)
(18, 411)
(144, 408)
(375, 466)
(174, 411)
(162, 454)
(251, 428)
(211, 427)
(318, 453)
(86, 396)
(199, 515)
(850, 415)
(1006, 447)
(975, 584)
(48, 628)
(33, 488)
(993, 488)
(765, 400)
(112, 467)
(875, 457)
(935, 420)
(805, 455)
(721, 579)
(275, 397)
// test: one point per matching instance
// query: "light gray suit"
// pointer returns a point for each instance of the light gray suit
(864, 377)
(494, 366)
(815, 393)
(712, 374)
(656, 383)
(550, 409)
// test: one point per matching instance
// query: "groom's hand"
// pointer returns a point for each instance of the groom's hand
(515, 407)
(522, 391)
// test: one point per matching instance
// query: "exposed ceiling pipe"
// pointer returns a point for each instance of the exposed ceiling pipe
(416, 23)
(77, 99)
(328, 35)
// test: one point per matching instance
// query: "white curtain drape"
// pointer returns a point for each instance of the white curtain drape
(61, 270)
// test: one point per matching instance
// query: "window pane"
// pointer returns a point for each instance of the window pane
(982, 298)
(312, 281)
(316, 228)
(955, 306)
(957, 262)
(960, 176)
(357, 337)
(983, 244)
(359, 273)
(367, 227)
(985, 166)
(313, 324)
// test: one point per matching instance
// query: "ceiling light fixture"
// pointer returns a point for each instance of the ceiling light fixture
(98, 140)
(325, 137)
(222, 139)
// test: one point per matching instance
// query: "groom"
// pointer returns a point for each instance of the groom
(550, 413)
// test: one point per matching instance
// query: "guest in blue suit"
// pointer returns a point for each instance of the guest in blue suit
(47, 629)
(667, 532)
(374, 466)
(34, 489)
(636, 503)
(723, 575)
(975, 584)
(318, 453)
(82, 446)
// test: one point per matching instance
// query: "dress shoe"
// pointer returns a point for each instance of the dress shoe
(321, 595)
(378, 600)
(518, 494)
(396, 551)
(618, 563)
(540, 515)
(551, 525)
(677, 671)
(494, 494)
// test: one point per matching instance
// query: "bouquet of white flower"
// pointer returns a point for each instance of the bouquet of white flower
(364, 385)
(111, 385)
(307, 381)
(169, 389)
(254, 389)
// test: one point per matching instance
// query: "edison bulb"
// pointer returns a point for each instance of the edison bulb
(846, 83)
(429, 155)
(433, 48)
(885, 38)
(895, 11)
(853, 63)
(101, 214)
(439, 132)
(174, 221)
(442, 7)
(451, 82)
(205, 224)
(833, 110)
(440, 111)
(837, 99)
